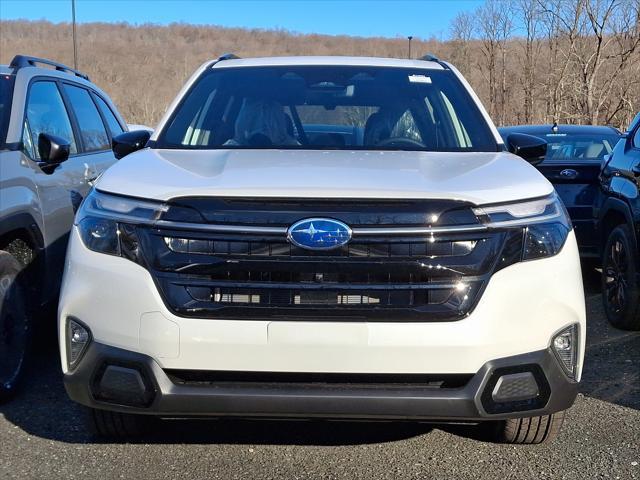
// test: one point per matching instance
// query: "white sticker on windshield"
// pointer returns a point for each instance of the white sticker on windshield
(419, 79)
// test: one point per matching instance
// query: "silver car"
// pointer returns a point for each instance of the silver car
(55, 140)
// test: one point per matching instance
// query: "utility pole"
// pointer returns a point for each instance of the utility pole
(410, 37)
(75, 45)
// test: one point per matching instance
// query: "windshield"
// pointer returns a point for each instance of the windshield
(328, 107)
(6, 94)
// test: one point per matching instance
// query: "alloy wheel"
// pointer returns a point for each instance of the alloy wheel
(616, 285)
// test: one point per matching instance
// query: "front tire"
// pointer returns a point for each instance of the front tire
(620, 288)
(530, 430)
(15, 326)
(116, 425)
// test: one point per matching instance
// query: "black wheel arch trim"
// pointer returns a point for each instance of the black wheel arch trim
(23, 222)
(619, 206)
(10, 227)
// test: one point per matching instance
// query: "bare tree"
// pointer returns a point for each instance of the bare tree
(494, 29)
(530, 17)
(462, 29)
(598, 40)
(623, 79)
(591, 58)
(561, 20)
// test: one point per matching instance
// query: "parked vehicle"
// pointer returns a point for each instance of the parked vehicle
(574, 157)
(237, 265)
(618, 227)
(55, 139)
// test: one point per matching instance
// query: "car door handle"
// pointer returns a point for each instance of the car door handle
(91, 180)
(90, 175)
(569, 174)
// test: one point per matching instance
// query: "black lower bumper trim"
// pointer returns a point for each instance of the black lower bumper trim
(354, 401)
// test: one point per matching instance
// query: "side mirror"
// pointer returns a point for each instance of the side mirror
(532, 149)
(129, 142)
(53, 150)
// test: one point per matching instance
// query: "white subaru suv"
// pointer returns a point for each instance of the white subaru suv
(324, 237)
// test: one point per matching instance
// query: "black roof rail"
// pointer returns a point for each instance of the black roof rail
(228, 56)
(432, 58)
(22, 61)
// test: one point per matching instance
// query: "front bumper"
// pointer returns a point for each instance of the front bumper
(521, 309)
(472, 402)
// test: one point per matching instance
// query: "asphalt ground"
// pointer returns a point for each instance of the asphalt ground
(42, 435)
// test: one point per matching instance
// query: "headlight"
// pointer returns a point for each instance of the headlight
(544, 240)
(107, 223)
(100, 234)
(126, 209)
(544, 221)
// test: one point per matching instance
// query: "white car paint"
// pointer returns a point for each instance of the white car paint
(480, 178)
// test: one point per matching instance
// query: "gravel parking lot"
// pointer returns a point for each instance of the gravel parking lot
(41, 435)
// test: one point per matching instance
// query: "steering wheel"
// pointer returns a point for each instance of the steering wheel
(399, 142)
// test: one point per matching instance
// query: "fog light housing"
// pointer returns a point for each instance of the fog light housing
(565, 346)
(515, 387)
(123, 384)
(78, 339)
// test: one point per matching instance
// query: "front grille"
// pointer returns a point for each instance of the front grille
(375, 277)
(180, 244)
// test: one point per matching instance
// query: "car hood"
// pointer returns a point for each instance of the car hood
(479, 178)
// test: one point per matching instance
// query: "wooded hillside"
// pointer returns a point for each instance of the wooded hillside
(571, 61)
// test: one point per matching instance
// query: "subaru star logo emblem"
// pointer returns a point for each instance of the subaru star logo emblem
(319, 234)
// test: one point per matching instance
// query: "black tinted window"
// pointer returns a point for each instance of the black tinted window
(46, 113)
(6, 96)
(94, 136)
(114, 126)
(329, 107)
(579, 147)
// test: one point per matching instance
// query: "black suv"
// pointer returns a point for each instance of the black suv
(575, 154)
(618, 224)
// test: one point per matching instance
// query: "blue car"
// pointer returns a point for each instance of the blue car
(575, 154)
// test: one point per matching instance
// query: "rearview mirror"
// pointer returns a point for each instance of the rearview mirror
(532, 149)
(129, 142)
(53, 150)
